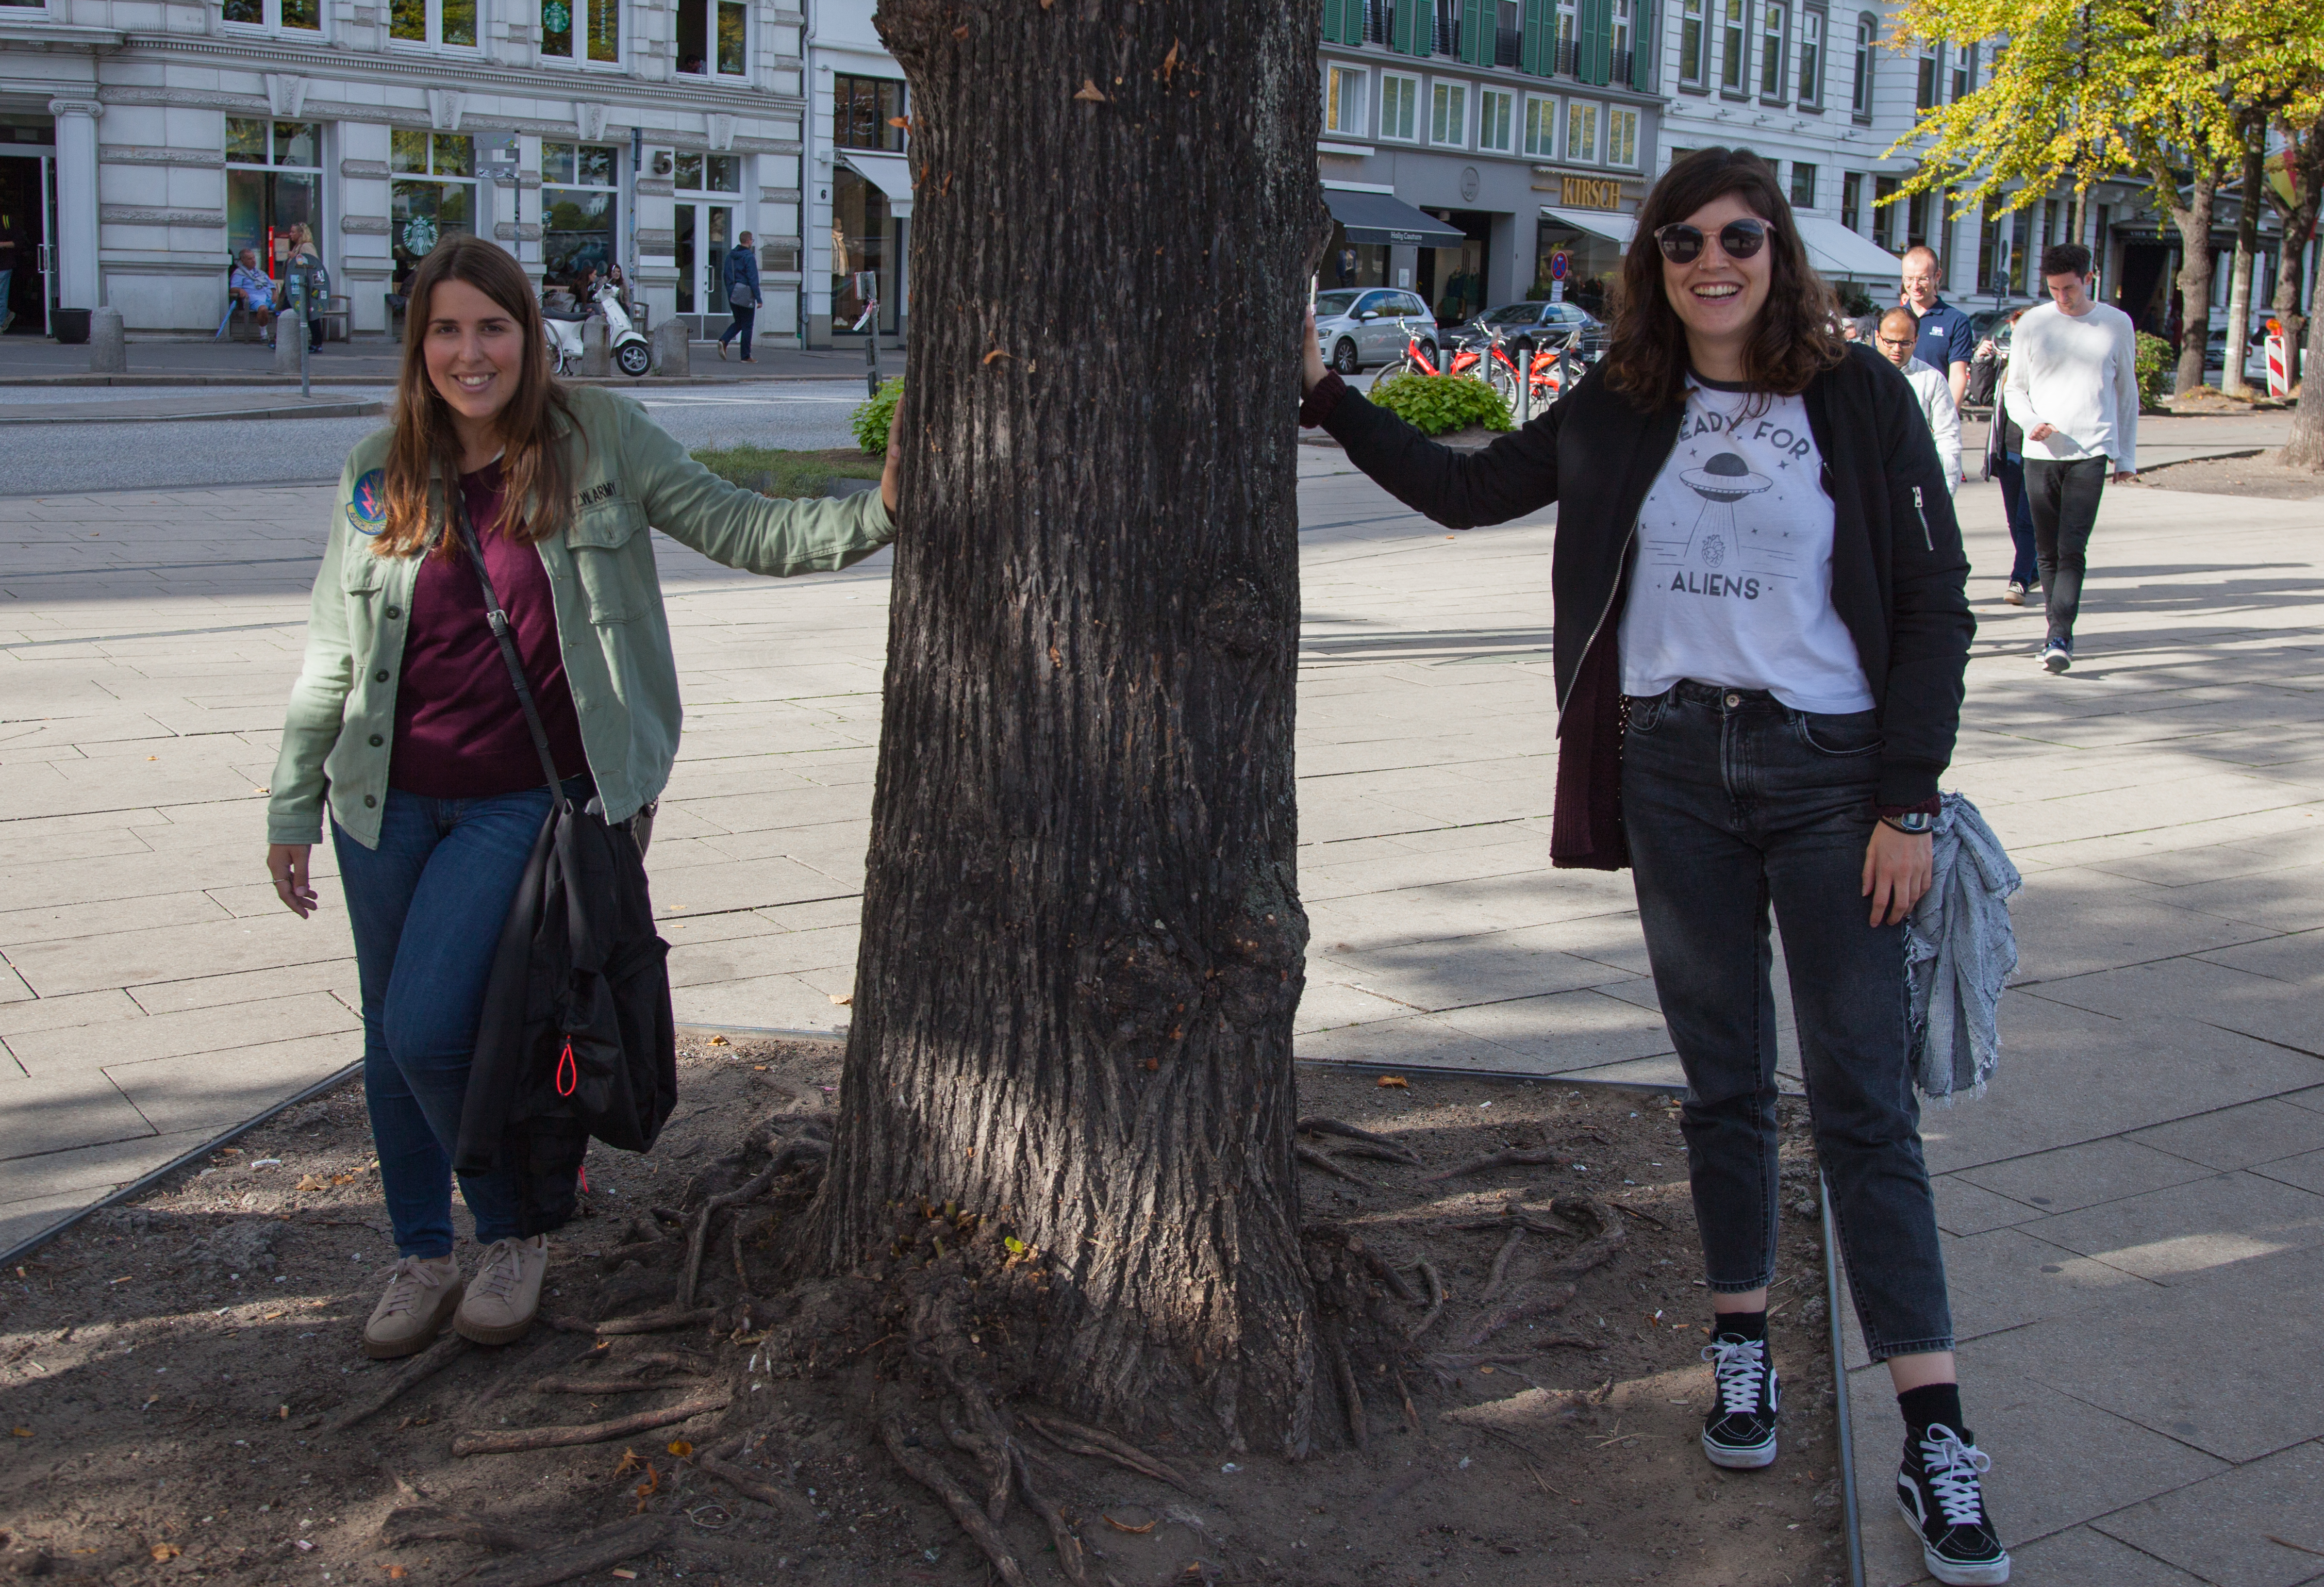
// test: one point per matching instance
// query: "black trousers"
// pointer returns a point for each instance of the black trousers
(2064, 497)
(741, 327)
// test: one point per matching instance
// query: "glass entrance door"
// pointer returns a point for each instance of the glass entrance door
(27, 221)
(706, 231)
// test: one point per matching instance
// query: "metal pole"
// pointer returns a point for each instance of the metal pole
(872, 352)
(1840, 1390)
(305, 347)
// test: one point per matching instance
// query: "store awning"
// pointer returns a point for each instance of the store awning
(1383, 218)
(1618, 229)
(1836, 251)
(890, 173)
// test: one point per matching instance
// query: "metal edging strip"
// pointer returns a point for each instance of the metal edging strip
(139, 1185)
(1840, 1390)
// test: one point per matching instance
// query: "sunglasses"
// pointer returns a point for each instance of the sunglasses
(1683, 243)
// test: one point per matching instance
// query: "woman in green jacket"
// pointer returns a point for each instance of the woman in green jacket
(403, 720)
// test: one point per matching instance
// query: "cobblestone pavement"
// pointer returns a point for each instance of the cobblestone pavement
(2134, 1216)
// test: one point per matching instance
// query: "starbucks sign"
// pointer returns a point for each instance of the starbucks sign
(418, 235)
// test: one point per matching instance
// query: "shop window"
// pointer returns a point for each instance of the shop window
(1804, 185)
(1622, 136)
(867, 113)
(1582, 131)
(711, 37)
(709, 173)
(433, 22)
(1772, 51)
(578, 203)
(304, 16)
(432, 195)
(863, 239)
(1735, 43)
(273, 182)
(1344, 100)
(1496, 121)
(1867, 34)
(581, 29)
(1591, 263)
(1691, 43)
(1448, 114)
(1399, 106)
(1541, 126)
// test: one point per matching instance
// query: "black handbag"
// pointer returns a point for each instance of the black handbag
(576, 1039)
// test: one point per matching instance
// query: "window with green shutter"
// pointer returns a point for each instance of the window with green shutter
(1477, 31)
(1537, 49)
(1412, 27)
(1344, 21)
(1594, 57)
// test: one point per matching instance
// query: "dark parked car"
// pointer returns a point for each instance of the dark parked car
(1529, 324)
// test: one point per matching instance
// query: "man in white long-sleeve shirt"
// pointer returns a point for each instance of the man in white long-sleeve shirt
(1899, 332)
(2073, 389)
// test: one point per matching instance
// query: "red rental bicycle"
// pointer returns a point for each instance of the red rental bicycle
(1415, 359)
(1493, 367)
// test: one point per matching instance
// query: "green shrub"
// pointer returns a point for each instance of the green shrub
(1438, 404)
(871, 419)
(773, 471)
(2156, 362)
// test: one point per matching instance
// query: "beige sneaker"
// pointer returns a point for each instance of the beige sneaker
(506, 1291)
(422, 1292)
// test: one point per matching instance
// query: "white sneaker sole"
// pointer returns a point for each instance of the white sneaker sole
(1729, 1458)
(1950, 1572)
(2056, 661)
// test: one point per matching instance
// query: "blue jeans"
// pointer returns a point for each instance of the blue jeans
(2009, 474)
(427, 908)
(1733, 801)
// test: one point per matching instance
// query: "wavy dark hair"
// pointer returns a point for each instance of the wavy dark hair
(1795, 339)
(424, 456)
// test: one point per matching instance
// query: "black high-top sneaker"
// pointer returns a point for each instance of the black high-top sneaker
(1740, 1432)
(1939, 1494)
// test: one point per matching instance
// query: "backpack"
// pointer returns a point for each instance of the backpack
(576, 1041)
(1983, 380)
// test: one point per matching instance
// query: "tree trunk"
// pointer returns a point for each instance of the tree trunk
(1083, 941)
(2305, 446)
(2307, 169)
(2231, 376)
(2193, 219)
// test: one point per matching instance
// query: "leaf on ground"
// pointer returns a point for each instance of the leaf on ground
(843, 999)
(23, 1431)
(1133, 1531)
(720, 1041)
(681, 1448)
(313, 1182)
(630, 1462)
(1394, 1082)
(165, 1551)
(651, 1485)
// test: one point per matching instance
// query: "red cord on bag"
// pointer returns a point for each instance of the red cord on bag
(568, 1072)
(585, 1180)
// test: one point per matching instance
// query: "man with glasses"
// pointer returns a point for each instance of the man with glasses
(1946, 338)
(2073, 388)
(1896, 340)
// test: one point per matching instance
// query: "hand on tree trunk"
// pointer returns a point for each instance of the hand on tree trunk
(891, 473)
(1311, 363)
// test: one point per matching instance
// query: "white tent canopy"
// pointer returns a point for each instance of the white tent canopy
(890, 173)
(1840, 253)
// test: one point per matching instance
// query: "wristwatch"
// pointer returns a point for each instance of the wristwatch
(1912, 823)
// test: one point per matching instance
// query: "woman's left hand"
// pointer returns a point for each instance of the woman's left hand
(891, 473)
(1898, 866)
(1311, 359)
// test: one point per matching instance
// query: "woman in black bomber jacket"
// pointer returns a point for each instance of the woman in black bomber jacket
(1760, 632)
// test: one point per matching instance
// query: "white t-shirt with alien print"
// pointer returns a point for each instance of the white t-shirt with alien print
(1731, 584)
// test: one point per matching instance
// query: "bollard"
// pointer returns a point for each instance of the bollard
(290, 343)
(108, 345)
(596, 354)
(672, 349)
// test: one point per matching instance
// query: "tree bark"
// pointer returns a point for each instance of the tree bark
(2231, 375)
(2307, 171)
(2305, 449)
(1083, 942)
(2193, 219)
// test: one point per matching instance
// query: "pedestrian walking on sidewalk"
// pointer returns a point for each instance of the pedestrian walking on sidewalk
(1944, 333)
(742, 272)
(404, 725)
(1758, 595)
(304, 256)
(1896, 340)
(2072, 387)
(2004, 466)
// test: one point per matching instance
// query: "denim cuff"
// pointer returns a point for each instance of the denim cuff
(1881, 1353)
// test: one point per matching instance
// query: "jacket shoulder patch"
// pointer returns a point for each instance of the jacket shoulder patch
(367, 502)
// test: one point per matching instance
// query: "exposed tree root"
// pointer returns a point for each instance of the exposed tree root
(1644, 1217)
(1335, 1346)
(1509, 1157)
(644, 1251)
(434, 1359)
(1069, 1547)
(920, 1463)
(1315, 1160)
(1500, 1273)
(515, 1440)
(1076, 1439)
(791, 1154)
(610, 1383)
(600, 1550)
(1458, 1361)
(424, 1524)
(651, 1322)
(1540, 1304)
(1435, 1301)
(1385, 1147)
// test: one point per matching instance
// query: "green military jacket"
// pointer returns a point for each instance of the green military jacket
(628, 472)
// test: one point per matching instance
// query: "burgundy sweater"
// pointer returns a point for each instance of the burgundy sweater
(459, 732)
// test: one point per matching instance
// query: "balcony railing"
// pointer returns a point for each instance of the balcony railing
(1509, 43)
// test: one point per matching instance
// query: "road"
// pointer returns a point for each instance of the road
(46, 460)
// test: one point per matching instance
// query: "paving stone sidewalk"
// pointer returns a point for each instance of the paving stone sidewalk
(2135, 1215)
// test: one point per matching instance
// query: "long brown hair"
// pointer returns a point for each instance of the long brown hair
(424, 457)
(1794, 339)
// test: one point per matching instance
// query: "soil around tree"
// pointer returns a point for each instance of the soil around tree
(2247, 473)
(188, 1401)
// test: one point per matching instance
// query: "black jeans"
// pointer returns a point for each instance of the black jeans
(2064, 497)
(741, 327)
(1734, 801)
(2009, 474)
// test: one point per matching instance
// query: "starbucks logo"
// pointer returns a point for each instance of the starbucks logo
(557, 17)
(419, 234)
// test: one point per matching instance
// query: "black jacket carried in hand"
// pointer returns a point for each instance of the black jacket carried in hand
(1898, 576)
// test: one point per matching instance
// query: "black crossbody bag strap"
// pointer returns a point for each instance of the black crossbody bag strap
(499, 620)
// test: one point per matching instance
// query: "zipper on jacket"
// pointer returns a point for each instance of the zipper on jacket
(1922, 512)
(1621, 576)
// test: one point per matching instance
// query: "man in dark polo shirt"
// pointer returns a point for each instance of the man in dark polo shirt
(1946, 341)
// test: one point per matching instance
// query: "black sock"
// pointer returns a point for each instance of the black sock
(1746, 1325)
(1931, 1403)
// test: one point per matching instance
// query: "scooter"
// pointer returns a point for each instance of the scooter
(631, 354)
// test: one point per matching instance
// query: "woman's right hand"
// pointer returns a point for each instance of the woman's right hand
(1311, 364)
(286, 862)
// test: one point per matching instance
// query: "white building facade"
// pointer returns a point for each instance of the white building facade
(859, 194)
(145, 143)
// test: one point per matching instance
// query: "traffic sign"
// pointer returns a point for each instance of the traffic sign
(1559, 263)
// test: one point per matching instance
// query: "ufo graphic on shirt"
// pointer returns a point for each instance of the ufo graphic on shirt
(1721, 481)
